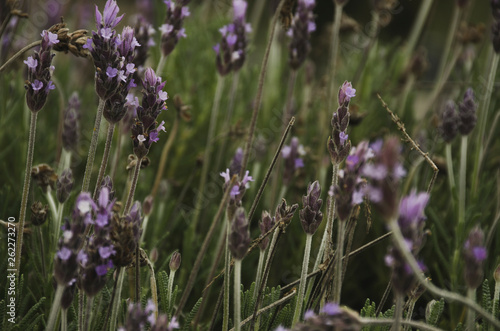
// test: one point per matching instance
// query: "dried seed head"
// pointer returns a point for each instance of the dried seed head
(44, 176)
(39, 213)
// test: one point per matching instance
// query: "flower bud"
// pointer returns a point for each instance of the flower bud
(64, 185)
(311, 215)
(175, 261)
(239, 238)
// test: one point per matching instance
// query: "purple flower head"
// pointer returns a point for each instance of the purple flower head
(346, 92)
(64, 253)
(343, 137)
(84, 206)
(31, 63)
(49, 38)
(467, 113)
(127, 43)
(111, 72)
(309, 314)
(311, 215)
(302, 27)
(172, 29)
(104, 209)
(474, 253)
(239, 237)
(265, 226)
(106, 251)
(109, 17)
(292, 158)
(37, 85)
(235, 166)
(239, 8)
(449, 122)
(331, 309)
(102, 269)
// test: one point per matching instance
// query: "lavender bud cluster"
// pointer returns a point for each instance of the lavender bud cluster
(463, 121)
(40, 70)
(239, 237)
(265, 226)
(284, 213)
(292, 157)
(145, 130)
(172, 30)
(71, 124)
(302, 27)
(411, 221)
(311, 215)
(338, 144)
(143, 32)
(230, 52)
(474, 253)
(64, 185)
(351, 187)
(113, 56)
(125, 234)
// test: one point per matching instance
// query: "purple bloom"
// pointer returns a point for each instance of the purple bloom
(37, 85)
(302, 26)
(82, 257)
(104, 208)
(309, 314)
(346, 92)
(50, 85)
(172, 29)
(110, 13)
(343, 137)
(64, 253)
(331, 309)
(49, 37)
(311, 215)
(291, 155)
(226, 175)
(474, 254)
(31, 62)
(111, 72)
(106, 251)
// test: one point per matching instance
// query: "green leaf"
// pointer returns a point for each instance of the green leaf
(192, 314)
(436, 309)
(162, 279)
(31, 315)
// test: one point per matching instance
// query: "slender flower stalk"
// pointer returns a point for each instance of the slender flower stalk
(303, 279)
(265, 226)
(237, 294)
(56, 306)
(227, 276)
(452, 31)
(175, 262)
(105, 157)
(37, 88)
(417, 27)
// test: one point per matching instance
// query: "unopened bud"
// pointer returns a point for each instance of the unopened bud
(64, 185)
(175, 261)
(39, 213)
(153, 255)
(147, 205)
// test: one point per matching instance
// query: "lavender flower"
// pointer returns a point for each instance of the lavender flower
(230, 52)
(235, 166)
(145, 130)
(311, 215)
(139, 318)
(64, 185)
(411, 221)
(292, 158)
(172, 30)
(143, 32)
(467, 113)
(351, 188)
(302, 27)
(71, 125)
(265, 226)
(39, 73)
(474, 254)
(384, 176)
(239, 189)
(125, 234)
(449, 122)
(338, 145)
(239, 237)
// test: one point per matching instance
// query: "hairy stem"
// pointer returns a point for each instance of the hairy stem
(227, 279)
(120, 276)
(93, 147)
(471, 295)
(449, 167)
(462, 183)
(56, 306)
(133, 185)
(398, 312)
(18, 54)
(105, 157)
(303, 280)
(237, 295)
(26, 189)
(338, 261)
(258, 276)
(171, 277)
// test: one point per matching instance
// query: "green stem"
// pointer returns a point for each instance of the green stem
(338, 261)
(449, 167)
(118, 150)
(227, 278)
(417, 27)
(258, 98)
(471, 295)
(237, 295)
(161, 65)
(208, 150)
(483, 118)
(334, 53)
(64, 320)
(93, 147)
(42, 249)
(89, 314)
(398, 312)
(303, 280)
(449, 39)
(154, 289)
(18, 54)
(26, 190)
(120, 276)
(137, 275)
(462, 183)
(56, 306)
(105, 157)
(258, 276)
(133, 185)
(447, 295)
(367, 321)
(171, 277)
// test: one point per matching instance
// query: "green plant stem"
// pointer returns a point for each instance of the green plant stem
(137, 275)
(483, 119)
(133, 185)
(208, 151)
(258, 276)
(449, 39)
(366, 321)
(227, 278)
(237, 295)
(115, 304)
(26, 190)
(52, 204)
(42, 249)
(164, 155)
(258, 98)
(64, 320)
(154, 288)
(398, 312)
(327, 235)
(447, 295)
(449, 167)
(161, 65)
(417, 27)
(303, 280)
(18, 54)
(227, 119)
(171, 277)
(56, 306)
(89, 314)
(471, 295)
(116, 156)
(338, 261)
(462, 188)
(105, 157)
(334, 49)
(204, 248)
(81, 302)
(93, 147)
